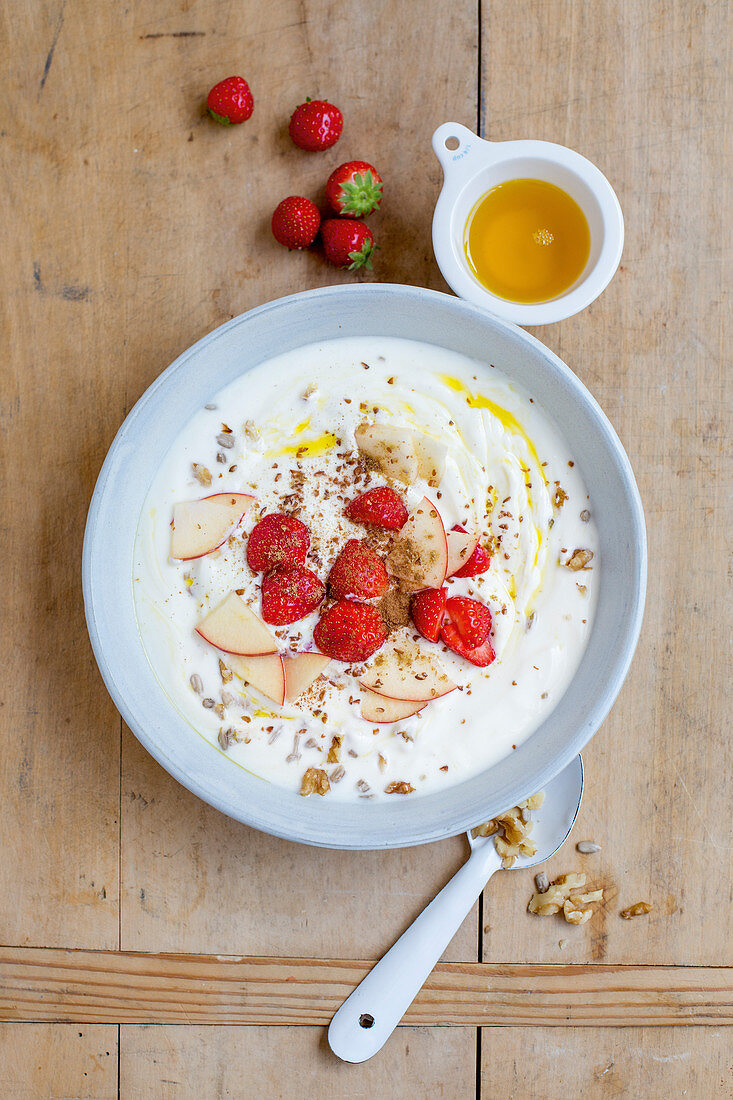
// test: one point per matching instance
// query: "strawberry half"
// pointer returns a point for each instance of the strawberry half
(479, 561)
(427, 609)
(354, 189)
(347, 243)
(472, 618)
(481, 655)
(295, 222)
(289, 593)
(230, 101)
(350, 631)
(315, 125)
(277, 540)
(381, 507)
(358, 571)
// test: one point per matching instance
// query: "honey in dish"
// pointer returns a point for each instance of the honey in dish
(527, 240)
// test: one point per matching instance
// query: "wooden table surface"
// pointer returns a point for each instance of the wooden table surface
(131, 226)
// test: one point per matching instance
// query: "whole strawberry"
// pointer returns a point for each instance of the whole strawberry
(296, 222)
(316, 125)
(347, 243)
(230, 101)
(354, 189)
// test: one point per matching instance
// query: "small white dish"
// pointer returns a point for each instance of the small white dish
(472, 166)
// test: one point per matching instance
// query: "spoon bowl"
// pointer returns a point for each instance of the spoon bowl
(368, 1017)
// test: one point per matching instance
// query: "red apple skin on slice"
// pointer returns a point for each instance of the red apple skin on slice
(266, 674)
(301, 670)
(200, 526)
(381, 709)
(403, 671)
(461, 545)
(419, 555)
(234, 627)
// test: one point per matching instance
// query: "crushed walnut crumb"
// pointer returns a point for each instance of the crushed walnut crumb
(202, 474)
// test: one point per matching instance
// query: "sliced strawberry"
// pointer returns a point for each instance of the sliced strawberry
(472, 618)
(289, 593)
(382, 507)
(479, 561)
(481, 655)
(277, 540)
(350, 631)
(427, 609)
(358, 571)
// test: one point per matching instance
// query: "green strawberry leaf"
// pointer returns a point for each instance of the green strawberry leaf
(362, 258)
(221, 119)
(361, 195)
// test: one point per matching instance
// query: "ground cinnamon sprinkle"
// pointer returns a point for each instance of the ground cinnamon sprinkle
(394, 607)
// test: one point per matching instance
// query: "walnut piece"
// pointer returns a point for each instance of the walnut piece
(576, 907)
(202, 475)
(334, 753)
(399, 786)
(638, 910)
(579, 559)
(315, 781)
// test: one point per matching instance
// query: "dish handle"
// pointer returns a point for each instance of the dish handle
(457, 148)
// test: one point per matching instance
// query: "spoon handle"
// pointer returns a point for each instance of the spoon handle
(368, 1017)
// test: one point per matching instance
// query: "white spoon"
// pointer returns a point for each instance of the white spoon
(368, 1017)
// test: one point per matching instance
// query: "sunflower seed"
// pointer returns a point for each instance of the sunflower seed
(311, 743)
(337, 774)
(227, 737)
(225, 441)
(584, 516)
(586, 847)
(542, 883)
(273, 736)
(208, 703)
(221, 457)
(227, 699)
(196, 683)
(362, 785)
(210, 407)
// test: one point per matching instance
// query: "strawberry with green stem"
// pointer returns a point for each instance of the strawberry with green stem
(354, 189)
(347, 243)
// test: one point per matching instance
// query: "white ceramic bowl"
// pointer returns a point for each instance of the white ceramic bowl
(158, 417)
(472, 166)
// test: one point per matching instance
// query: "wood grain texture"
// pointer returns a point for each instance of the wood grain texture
(186, 1063)
(643, 91)
(61, 403)
(58, 1062)
(130, 987)
(555, 1064)
(191, 879)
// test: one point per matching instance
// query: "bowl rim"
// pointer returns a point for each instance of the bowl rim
(316, 830)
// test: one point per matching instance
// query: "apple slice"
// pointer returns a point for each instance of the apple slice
(391, 449)
(266, 674)
(419, 554)
(431, 456)
(234, 627)
(401, 670)
(200, 526)
(379, 708)
(461, 545)
(301, 670)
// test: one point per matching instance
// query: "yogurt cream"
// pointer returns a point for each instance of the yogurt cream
(285, 433)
